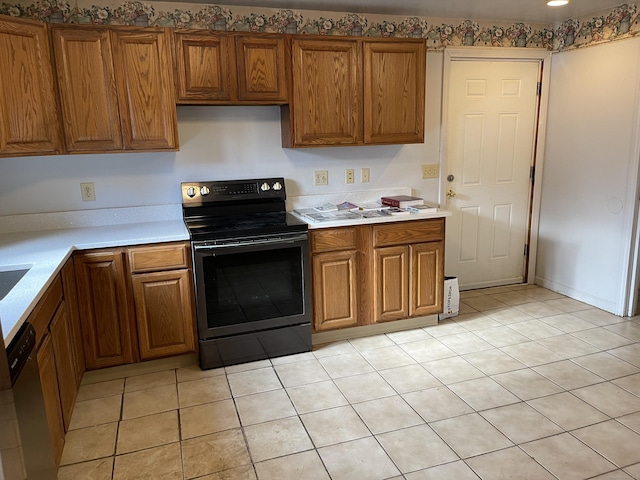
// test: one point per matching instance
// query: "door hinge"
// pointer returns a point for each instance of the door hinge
(539, 89)
(532, 172)
(526, 250)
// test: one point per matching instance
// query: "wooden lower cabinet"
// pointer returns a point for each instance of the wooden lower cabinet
(70, 291)
(164, 313)
(334, 270)
(408, 282)
(104, 308)
(408, 269)
(50, 388)
(426, 279)
(335, 290)
(377, 273)
(135, 303)
(391, 280)
(61, 338)
(56, 356)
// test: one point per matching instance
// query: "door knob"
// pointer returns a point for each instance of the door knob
(451, 193)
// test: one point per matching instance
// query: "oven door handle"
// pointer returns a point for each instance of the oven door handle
(247, 243)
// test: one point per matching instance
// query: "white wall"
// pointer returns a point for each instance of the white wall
(590, 173)
(219, 143)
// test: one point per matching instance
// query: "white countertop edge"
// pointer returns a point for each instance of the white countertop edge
(368, 221)
(47, 251)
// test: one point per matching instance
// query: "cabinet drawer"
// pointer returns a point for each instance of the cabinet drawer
(333, 239)
(412, 231)
(159, 257)
(46, 308)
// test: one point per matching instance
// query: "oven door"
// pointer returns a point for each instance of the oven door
(245, 285)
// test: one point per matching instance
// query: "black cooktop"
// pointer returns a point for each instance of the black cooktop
(206, 228)
(237, 208)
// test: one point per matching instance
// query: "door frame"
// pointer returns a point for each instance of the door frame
(542, 56)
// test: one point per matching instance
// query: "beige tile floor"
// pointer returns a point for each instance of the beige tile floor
(524, 384)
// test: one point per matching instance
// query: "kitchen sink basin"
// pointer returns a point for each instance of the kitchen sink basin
(9, 277)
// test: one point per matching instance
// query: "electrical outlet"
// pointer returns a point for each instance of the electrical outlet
(88, 192)
(430, 170)
(321, 177)
(364, 175)
(349, 176)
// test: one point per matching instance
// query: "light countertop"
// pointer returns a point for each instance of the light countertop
(365, 197)
(46, 251)
(366, 221)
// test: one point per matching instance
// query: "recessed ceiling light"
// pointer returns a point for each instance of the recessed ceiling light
(557, 3)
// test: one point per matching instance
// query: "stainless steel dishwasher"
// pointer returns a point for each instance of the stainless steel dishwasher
(30, 453)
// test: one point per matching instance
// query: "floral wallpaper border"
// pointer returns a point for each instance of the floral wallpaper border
(621, 22)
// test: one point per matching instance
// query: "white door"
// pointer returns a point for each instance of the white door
(490, 136)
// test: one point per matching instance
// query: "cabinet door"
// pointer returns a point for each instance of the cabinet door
(335, 284)
(50, 389)
(427, 278)
(71, 300)
(205, 67)
(391, 281)
(262, 74)
(164, 313)
(102, 299)
(65, 363)
(144, 77)
(87, 87)
(394, 91)
(326, 104)
(28, 108)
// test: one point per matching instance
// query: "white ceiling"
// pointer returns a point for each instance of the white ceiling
(531, 11)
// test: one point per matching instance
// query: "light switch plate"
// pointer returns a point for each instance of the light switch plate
(430, 170)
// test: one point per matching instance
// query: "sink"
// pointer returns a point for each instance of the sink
(10, 276)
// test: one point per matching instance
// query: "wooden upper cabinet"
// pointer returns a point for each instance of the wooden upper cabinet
(326, 106)
(87, 88)
(348, 91)
(144, 77)
(204, 66)
(262, 68)
(28, 109)
(230, 69)
(394, 91)
(116, 88)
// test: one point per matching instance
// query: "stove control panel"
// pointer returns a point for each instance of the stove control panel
(233, 190)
